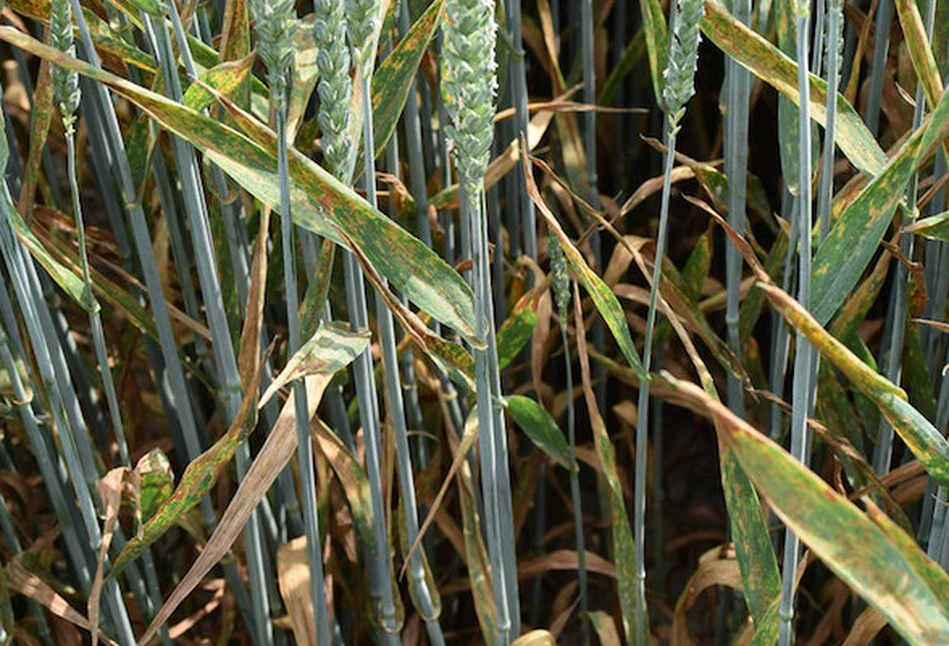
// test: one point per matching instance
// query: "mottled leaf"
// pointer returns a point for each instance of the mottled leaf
(877, 567)
(919, 434)
(541, 428)
(320, 203)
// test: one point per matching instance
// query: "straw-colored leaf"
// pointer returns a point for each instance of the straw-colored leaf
(535, 638)
(605, 628)
(21, 580)
(293, 577)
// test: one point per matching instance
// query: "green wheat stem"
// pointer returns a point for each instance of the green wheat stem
(806, 359)
(468, 87)
(679, 88)
(560, 285)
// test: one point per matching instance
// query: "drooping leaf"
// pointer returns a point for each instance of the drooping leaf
(935, 227)
(877, 567)
(919, 434)
(197, 480)
(277, 450)
(603, 297)
(541, 428)
(320, 203)
(765, 61)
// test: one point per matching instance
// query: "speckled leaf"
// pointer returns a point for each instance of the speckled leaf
(226, 78)
(276, 451)
(157, 482)
(657, 43)
(151, 7)
(697, 266)
(139, 144)
(919, 434)
(393, 78)
(516, 331)
(925, 567)
(197, 480)
(305, 74)
(935, 227)
(320, 202)
(765, 61)
(541, 428)
(761, 579)
(853, 241)
(64, 277)
(40, 118)
(604, 299)
(317, 290)
(877, 567)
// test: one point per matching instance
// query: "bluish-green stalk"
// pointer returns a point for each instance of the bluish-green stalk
(805, 361)
(65, 413)
(400, 413)
(881, 47)
(49, 465)
(275, 24)
(518, 83)
(359, 22)
(226, 362)
(67, 93)
(468, 88)
(560, 286)
(416, 161)
(13, 543)
(834, 44)
(178, 398)
(679, 88)
(738, 84)
(66, 89)
(893, 361)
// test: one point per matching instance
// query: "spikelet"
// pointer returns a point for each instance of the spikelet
(559, 281)
(469, 85)
(65, 82)
(335, 86)
(683, 56)
(363, 23)
(276, 22)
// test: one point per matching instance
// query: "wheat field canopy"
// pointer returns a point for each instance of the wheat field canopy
(407, 322)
